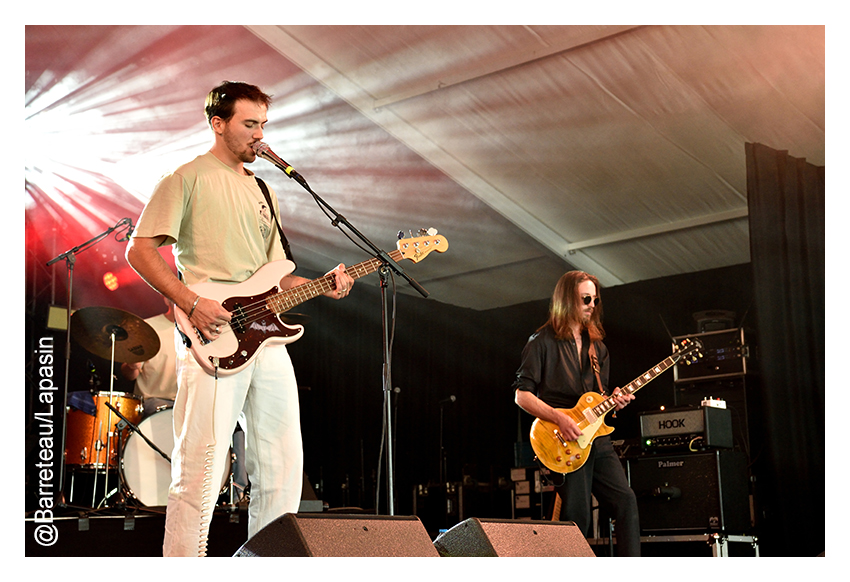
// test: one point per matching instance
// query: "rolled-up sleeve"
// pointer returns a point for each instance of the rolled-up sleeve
(531, 367)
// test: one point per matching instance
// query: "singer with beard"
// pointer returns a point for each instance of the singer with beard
(557, 367)
(214, 213)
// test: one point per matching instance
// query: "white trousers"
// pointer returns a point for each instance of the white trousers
(205, 415)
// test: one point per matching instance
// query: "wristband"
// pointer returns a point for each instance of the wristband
(194, 305)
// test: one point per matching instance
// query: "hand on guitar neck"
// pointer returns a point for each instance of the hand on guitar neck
(621, 398)
(231, 322)
(211, 318)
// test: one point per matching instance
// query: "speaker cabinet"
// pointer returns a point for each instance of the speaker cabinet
(692, 492)
(325, 535)
(494, 538)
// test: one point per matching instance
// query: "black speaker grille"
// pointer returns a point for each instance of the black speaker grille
(692, 492)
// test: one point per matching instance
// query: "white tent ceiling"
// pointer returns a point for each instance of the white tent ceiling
(617, 150)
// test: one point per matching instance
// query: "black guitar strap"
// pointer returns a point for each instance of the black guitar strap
(283, 240)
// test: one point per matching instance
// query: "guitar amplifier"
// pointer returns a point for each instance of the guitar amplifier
(724, 353)
(686, 428)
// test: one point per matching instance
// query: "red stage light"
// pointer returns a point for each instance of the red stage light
(111, 281)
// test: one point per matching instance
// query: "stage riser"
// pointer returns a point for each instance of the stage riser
(140, 536)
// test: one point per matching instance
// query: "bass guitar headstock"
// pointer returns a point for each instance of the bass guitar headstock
(419, 247)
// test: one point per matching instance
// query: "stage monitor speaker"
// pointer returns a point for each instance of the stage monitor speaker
(692, 492)
(340, 536)
(490, 538)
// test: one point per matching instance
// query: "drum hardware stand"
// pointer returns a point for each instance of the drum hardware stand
(109, 434)
(70, 257)
(118, 489)
(119, 427)
(232, 506)
(136, 430)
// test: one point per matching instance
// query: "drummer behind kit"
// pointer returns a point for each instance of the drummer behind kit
(108, 431)
(156, 378)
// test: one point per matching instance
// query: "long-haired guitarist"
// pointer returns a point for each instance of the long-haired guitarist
(558, 367)
(215, 214)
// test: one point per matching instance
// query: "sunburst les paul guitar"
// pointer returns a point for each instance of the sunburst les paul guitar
(256, 304)
(563, 456)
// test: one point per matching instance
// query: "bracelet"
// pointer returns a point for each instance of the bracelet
(194, 305)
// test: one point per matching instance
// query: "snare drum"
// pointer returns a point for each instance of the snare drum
(146, 473)
(92, 441)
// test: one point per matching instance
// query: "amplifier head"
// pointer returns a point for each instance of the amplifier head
(725, 356)
(677, 427)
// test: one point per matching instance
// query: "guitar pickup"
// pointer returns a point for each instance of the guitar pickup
(559, 437)
(238, 319)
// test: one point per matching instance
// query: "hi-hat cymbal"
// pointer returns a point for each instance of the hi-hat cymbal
(135, 340)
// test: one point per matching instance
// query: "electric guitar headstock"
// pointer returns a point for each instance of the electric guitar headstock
(418, 247)
(688, 351)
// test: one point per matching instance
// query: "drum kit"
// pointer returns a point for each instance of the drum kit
(107, 434)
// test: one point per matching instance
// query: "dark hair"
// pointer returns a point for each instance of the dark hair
(221, 100)
(565, 307)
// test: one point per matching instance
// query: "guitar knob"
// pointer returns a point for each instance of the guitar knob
(578, 456)
(569, 463)
(559, 459)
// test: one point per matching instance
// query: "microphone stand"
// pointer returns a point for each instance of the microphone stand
(388, 265)
(70, 257)
(135, 429)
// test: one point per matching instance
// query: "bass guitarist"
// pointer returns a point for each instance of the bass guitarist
(223, 228)
(564, 359)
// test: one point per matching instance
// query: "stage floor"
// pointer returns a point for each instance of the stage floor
(126, 533)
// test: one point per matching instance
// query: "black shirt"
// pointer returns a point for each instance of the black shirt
(553, 370)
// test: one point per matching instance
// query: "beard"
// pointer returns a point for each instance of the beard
(243, 152)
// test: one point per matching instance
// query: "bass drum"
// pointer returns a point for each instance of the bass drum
(147, 475)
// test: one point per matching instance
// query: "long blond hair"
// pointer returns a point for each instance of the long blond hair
(565, 307)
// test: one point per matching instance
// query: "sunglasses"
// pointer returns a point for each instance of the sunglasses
(586, 299)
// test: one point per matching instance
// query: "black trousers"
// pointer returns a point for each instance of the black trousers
(603, 476)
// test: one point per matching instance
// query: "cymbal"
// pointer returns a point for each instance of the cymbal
(135, 340)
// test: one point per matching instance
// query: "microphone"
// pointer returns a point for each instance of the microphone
(130, 230)
(448, 400)
(265, 152)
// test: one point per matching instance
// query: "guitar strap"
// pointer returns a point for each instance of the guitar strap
(283, 240)
(594, 362)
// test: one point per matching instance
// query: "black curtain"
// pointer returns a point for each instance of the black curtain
(787, 245)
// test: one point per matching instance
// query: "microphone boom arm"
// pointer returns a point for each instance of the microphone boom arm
(263, 151)
(388, 263)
